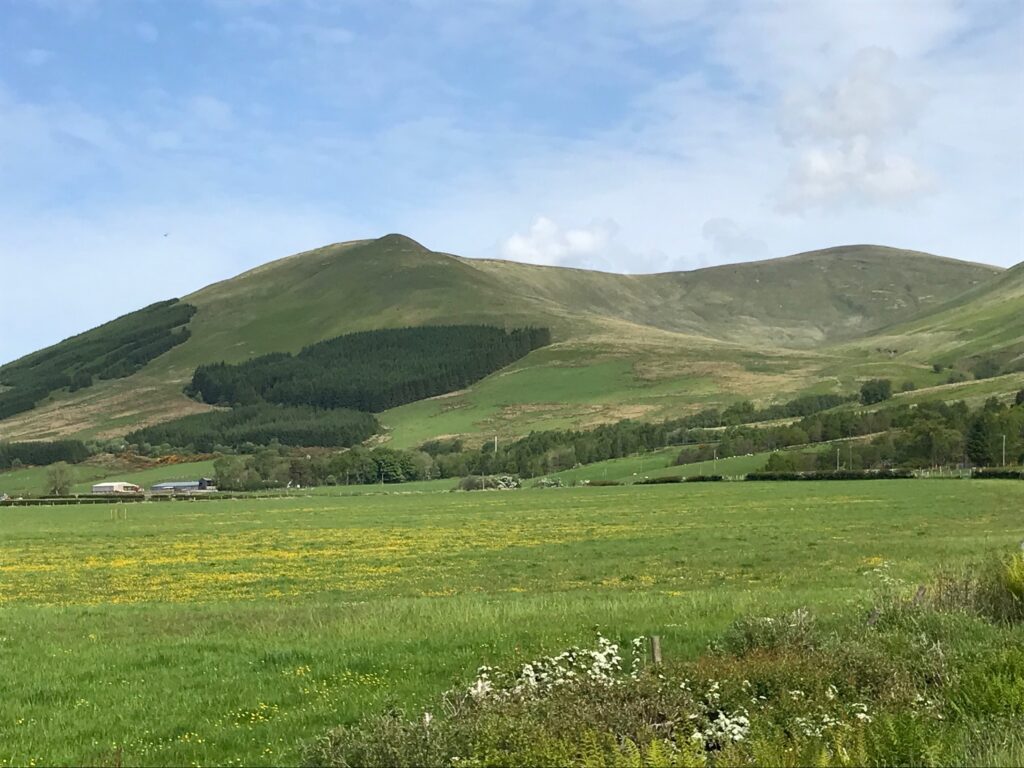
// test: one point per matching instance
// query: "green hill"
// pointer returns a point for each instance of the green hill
(985, 322)
(625, 346)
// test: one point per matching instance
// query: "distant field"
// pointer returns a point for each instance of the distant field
(229, 632)
(32, 480)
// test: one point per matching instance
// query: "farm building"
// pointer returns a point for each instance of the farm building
(203, 484)
(116, 487)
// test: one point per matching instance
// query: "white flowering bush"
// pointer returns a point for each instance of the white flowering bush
(602, 665)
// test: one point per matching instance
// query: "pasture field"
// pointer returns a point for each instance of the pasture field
(32, 481)
(231, 632)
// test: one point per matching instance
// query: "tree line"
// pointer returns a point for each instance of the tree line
(38, 454)
(371, 370)
(224, 431)
(929, 434)
(111, 351)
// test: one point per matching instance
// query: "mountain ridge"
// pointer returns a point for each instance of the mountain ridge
(641, 345)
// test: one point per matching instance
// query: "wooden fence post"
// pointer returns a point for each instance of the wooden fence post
(656, 650)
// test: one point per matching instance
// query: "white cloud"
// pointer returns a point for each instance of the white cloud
(548, 243)
(869, 99)
(845, 135)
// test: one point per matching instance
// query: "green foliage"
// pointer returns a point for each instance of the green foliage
(275, 468)
(262, 425)
(986, 368)
(370, 371)
(111, 351)
(982, 441)
(875, 391)
(840, 474)
(994, 590)
(794, 631)
(14, 455)
(59, 479)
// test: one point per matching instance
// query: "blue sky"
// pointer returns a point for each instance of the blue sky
(626, 135)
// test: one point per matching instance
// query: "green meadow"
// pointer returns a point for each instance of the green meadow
(233, 632)
(32, 481)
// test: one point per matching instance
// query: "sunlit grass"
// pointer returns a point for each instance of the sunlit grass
(219, 632)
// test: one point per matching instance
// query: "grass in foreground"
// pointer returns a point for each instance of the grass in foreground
(936, 678)
(238, 631)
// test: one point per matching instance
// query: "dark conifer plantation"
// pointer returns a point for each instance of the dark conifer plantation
(370, 371)
(111, 351)
(40, 454)
(262, 425)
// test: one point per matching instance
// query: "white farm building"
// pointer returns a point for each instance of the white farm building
(118, 487)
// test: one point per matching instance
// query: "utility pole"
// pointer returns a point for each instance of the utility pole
(837, 459)
(714, 471)
(1004, 450)
(849, 455)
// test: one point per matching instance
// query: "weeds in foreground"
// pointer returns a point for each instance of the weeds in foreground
(936, 678)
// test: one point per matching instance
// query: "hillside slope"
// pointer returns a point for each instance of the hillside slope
(626, 345)
(985, 322)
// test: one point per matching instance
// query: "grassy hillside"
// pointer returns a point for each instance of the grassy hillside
(626, 346)
(987, 321)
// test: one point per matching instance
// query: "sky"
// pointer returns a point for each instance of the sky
(151, 147)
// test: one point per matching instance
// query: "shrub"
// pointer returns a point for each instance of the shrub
(993, 590)
(841, 474)
(986, 368)
(489, 483)
(660, 480)
(999, 474)
(604, 483)
(794, 631)
(705, 479)
(875, 391)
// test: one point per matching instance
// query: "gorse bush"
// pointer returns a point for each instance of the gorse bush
(920, 683)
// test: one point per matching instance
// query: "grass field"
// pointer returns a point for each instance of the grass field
(31, 481)
(231, 632)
